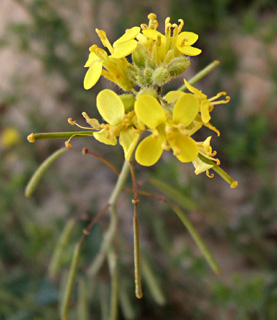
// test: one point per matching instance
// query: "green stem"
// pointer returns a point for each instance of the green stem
(58, 135)
(112, 259)
(201, 74)
(109, 234)
(201, 245)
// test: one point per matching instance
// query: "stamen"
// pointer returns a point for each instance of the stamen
(156, 24)
(152, 16)
(176, 151)
(168, 30)
(70, 121)
(92, 122)
(144, 26)
(208, 174)
(181, 21)
(221, 101)
(175, 30)
(106, 43)
(165, 146)
(220, 94)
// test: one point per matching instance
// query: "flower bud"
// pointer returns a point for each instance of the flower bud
(149, 92)
(161, 76)
(128, 100)
(177, 66)
(140, 55)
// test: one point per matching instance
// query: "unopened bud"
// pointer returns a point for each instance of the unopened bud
(177, 66)
(149, 92)
(128, 101)
(140, 55)
(160, 76)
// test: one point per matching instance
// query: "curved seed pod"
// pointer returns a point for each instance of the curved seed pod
(39, 173)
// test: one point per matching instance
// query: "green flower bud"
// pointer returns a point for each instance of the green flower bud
(140, 55)
(149, 92)
(128, 100)
(169, 56)
(131, 73)
(177, 66)
(161, 76)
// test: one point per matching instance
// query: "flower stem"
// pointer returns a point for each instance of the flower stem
(201, 74)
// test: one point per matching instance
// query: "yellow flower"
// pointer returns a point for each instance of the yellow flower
(207, 105)
(111, 108)
(204, 149)
(115, 64)
(172, 44)
(167, 131)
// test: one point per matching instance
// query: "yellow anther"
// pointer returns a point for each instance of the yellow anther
(70, 121)
(144, 26)
(177, 151)
(208, 174)
(234, 184)
(181, 21)
(67, 144)
(152, 16)
(31, 138)
(156, 24)
(165, 146)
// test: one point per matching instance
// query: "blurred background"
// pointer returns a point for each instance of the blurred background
(43, 47)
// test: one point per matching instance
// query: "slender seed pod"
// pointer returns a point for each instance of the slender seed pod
(39, 173)
(56, 261)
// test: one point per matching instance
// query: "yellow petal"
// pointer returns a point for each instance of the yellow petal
(186, 38)
(184, 148)
(129, 34)
(128, 140)
(101, 136)
(204, 108)
(185, 109)
(152, 34)
(93, 74)
(141, 38)
(110, 106)
(200, 166)
(172, 96)
(91, 58)
(149, 111)
(149, 151)
(189, 51)
(194, 90)
(123, 49)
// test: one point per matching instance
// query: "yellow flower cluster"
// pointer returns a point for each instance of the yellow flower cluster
(143, 120)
